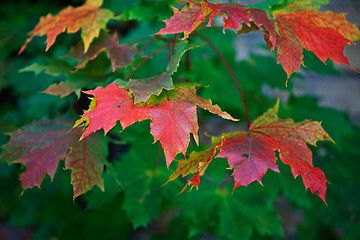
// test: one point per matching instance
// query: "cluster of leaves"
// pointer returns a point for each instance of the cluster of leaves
(171, 109)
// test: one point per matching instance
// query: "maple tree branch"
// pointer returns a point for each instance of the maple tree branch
(145, 59)
(231, 74)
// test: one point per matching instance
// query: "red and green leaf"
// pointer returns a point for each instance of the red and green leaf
(144, 88)
(251, 153)
(40, 146)
(173, 114)
(196, 163)
(88, 17)
(86, 159)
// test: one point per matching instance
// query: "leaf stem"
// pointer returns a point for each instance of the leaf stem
(173, 45)
(145, 59)
(231, 74)
(158, 156)
(148, 38)
(146, 44)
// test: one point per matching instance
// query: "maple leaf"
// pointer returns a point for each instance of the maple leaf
(252, 153)
(194, 13)
(235, 15)
(86, 159)
(110, 105)
(197, 163)
(173, 114)
(186, 20)
(40, 146)
(174, 118)
(144, 88)
(61, 89)
(88, 17)
(120, 55)
(324, 33)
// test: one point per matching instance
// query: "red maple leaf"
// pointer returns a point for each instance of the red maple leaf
(194, 13)
(88, 17)
(186, 20)
(173, 114)
(174, 118)
(40, 146)
(324, 33)
(251, 153)
(110, 105)
(235, 15)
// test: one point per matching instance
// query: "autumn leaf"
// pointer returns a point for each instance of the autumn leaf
(121, 55)
(88, 17)
(144, 88)
(234, 15)
(174, 118)
(86, 160)
(324, 33)
(60, 89)
(251, 153)
(173, 114)
(186, 20)
(197, 163)
(194, 13)
(40, 146)
(110, 105)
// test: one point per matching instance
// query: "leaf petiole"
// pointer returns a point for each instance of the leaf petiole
(231, 74)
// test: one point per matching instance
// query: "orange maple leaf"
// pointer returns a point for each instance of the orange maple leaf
(89, 17)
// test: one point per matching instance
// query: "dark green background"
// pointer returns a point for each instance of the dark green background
(279, 209)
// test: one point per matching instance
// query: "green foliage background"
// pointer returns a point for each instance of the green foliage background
(135, 204)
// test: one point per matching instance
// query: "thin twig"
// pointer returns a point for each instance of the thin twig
(146, 44)
(156, 51)
(173, 45)
(231, 74)
(139, 40)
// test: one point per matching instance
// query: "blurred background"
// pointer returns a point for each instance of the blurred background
(281, 209)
